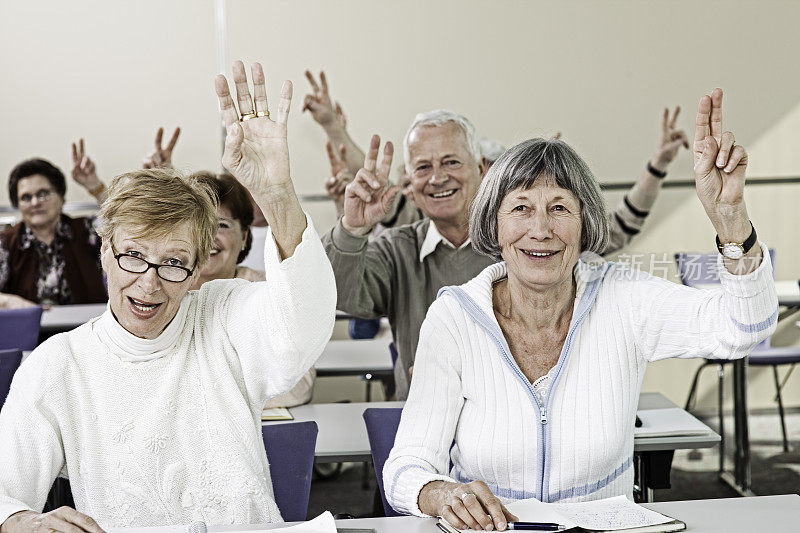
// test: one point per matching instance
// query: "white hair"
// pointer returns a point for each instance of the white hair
(440, 117)
(491, 149)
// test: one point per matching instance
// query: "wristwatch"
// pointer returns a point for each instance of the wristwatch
(735, 250)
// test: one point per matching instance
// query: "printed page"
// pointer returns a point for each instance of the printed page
(532, 510)
(668, 422)
(324, 523)
(610, 513)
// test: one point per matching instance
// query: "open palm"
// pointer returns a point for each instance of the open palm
(256, 150)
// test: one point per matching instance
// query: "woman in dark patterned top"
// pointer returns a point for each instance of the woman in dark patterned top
(48, 258)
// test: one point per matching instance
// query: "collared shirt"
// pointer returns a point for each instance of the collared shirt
(432, 240)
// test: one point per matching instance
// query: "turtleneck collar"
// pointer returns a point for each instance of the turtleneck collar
(129, 347)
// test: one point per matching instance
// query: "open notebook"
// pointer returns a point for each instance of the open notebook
(610, 514)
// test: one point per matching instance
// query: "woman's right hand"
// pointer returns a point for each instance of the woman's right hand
(12, 301)
(368, 198)
(471, 505)
(63, 519)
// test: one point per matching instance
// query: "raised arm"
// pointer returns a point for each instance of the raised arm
(629, 216)
(719, 170)
(331, 118)
(85, 174)
(161, 156)
(257, 154)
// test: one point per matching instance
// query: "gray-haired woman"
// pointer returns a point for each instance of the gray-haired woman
(527, 377)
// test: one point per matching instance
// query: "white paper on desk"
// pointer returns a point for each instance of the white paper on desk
(324, 523)
(607, 514)
(670, 422)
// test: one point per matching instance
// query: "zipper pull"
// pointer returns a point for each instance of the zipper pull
(543, 418)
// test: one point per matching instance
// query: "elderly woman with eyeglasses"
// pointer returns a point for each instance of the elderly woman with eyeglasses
(153, 410)
(48, 257)
(527, 377)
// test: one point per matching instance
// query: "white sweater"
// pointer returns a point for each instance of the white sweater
(472, 415)
(168, 431)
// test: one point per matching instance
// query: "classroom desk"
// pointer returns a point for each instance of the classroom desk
(354, 358)
(343, 437)
(776, 514)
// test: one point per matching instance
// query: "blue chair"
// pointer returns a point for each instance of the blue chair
(9, 362)
(382, 426)
(290, 450)
(19, 328)
(701, 269)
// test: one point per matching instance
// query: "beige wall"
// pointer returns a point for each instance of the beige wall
(600, 72)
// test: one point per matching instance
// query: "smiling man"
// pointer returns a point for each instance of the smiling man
(399, 273)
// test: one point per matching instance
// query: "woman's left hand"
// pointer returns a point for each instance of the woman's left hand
(256, 151)
(719, 169)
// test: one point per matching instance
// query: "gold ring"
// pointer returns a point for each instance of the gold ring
(247, 116)
(262, 114)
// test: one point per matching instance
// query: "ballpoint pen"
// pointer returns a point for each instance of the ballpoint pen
(535, 526)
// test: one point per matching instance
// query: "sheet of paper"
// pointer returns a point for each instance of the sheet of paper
(668, 422)
(324, 523)
(276, 413)
(610, 513)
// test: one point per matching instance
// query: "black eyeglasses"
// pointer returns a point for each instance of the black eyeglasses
(42, 195)
(137, 265)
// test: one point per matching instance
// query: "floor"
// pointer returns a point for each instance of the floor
(694, 474)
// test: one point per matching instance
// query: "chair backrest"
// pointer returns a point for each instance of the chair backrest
(19, 328)
(382, 426)
(701, 269)
(393, 353)
(290, 451)
(9, 362)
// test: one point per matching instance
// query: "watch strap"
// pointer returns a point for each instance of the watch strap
(746, 245)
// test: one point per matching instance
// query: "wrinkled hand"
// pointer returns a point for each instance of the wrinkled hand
(369, 197)
(719, 167)
(256, 150)
(83, 169)
(161, 157)
(63, 519)
(340, 176)
(471, 505)
(12, 301)
(671, 140)
(319, 103)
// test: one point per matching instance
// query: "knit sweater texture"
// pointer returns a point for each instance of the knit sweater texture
(471, 413)
(176, 438)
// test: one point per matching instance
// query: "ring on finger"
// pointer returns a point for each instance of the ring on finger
(247, 116)
(262, 113)
(463, 496)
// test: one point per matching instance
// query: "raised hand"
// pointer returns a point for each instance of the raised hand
(161, 157)
(671, 140)
(369, 197)
(340, 176)
(340, 116)
(83, 169)
(319, 103)
(256, 151)
(719, 169)
(257, 154)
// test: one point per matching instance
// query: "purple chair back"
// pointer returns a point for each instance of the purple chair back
(19, 328)
(382, 424)
(290, 451)
(9, 362)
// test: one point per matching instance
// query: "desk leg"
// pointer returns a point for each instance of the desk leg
(652, 472)
(741, 459)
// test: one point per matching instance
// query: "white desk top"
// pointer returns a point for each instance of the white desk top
(66, 317)
(353, 357)
(342, 434)
(776, 514)
(788, 292)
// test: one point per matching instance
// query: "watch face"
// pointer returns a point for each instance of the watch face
(733, 250)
